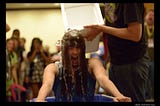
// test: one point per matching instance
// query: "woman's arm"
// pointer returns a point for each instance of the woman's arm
(14, 73)
(99, 73)
(50, 73)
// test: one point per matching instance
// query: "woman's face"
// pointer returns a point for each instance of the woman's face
(36, 44)
(150, 18)
(74, 54)
(16, 34)
(10, 45)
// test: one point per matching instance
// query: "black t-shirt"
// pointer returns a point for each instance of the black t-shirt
(124, 51)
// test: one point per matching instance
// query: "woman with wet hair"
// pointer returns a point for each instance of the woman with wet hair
(73, 80)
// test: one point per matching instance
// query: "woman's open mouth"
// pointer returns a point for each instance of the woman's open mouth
(74, 61)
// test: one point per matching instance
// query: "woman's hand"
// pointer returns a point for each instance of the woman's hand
(122, 99)
(39, 100)
(41, 49)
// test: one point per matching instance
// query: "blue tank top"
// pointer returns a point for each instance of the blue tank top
(59, 97)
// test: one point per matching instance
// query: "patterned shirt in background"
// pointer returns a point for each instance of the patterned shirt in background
(37, 69)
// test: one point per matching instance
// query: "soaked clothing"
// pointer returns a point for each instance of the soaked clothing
(75, 96)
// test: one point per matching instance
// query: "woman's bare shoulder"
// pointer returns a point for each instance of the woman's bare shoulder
(52, 67)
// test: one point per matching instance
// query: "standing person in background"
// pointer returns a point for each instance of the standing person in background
(127, 47)
(22, 56)
(149, 32)
(16, 33)
(11, 73)
(24, 61)
(38, 59)
(18, 49)
(18, 64)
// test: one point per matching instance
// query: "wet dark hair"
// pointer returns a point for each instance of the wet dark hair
(74, 38)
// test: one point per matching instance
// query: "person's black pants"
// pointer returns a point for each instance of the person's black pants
(131, 79)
